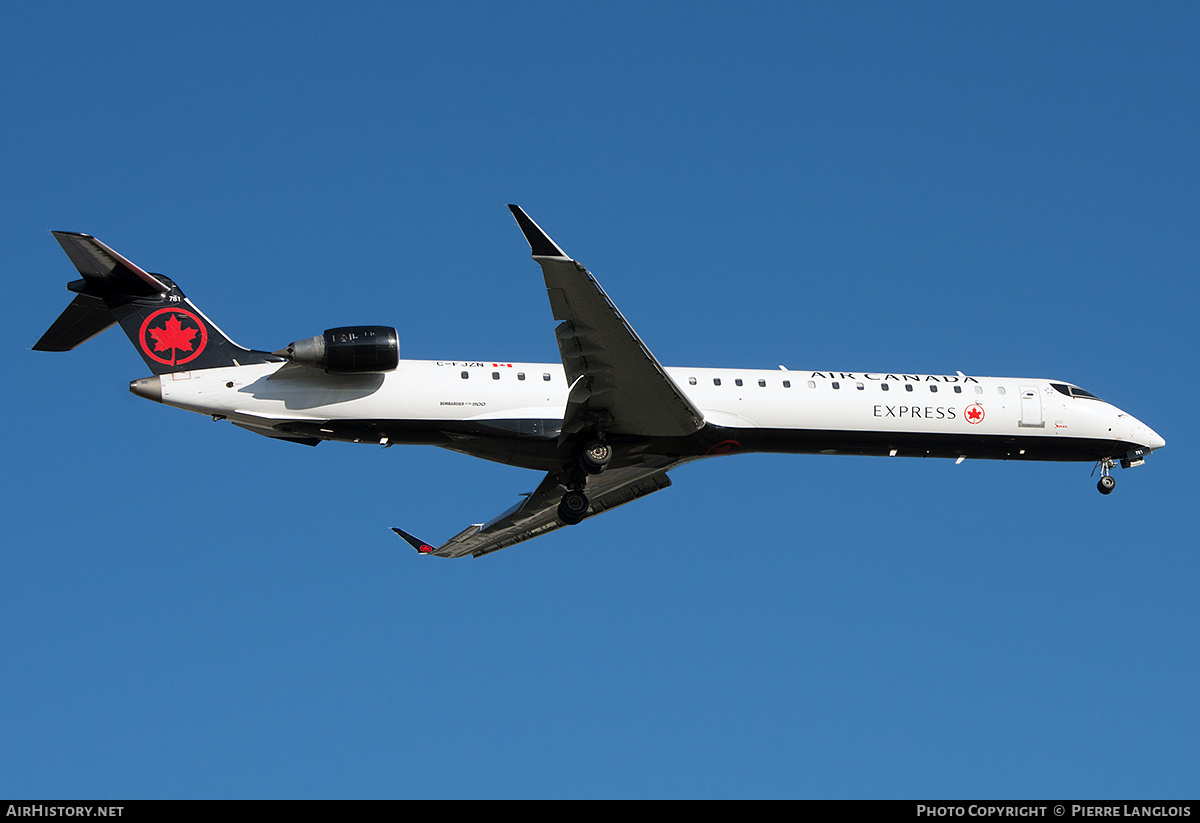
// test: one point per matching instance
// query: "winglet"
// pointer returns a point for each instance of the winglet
(420, 545)
(539, 241)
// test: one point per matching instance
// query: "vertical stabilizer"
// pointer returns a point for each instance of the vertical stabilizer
(166, 328)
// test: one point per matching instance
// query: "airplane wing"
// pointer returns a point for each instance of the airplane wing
(537, 514)
(617, 385)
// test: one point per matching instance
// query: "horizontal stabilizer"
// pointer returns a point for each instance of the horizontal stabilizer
(84, 318)
(105, 271)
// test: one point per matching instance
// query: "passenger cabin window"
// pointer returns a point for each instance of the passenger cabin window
(859, 386)
(787, 384)
(520, 375)
(762, 383)
(716, 381)
(1000, 390)
(979, 389)
(691, 381)
(836, 384)
(812, 384)
(958, 389)
(885, 387)
(933, 388)
(546, 376)
(465, 375)
(908, 386)
(495, 375)
(737, 381)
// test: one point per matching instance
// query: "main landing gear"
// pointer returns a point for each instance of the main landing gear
(573, 507)
(1107, 481)
(596, 456)
(594, 459)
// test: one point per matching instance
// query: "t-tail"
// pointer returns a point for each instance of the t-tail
(168, 331)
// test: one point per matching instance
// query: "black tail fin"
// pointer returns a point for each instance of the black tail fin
(169, 332)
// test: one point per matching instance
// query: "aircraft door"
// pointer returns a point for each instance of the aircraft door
(1031, 408)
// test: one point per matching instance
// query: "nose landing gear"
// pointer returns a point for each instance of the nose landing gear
(1107, 481)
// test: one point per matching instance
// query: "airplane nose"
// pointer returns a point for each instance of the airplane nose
(1136, 431)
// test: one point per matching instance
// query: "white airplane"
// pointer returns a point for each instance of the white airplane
(605, 425)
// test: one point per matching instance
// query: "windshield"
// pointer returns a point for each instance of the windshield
(1073, 391)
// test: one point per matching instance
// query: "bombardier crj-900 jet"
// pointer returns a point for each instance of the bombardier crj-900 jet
(605, 425)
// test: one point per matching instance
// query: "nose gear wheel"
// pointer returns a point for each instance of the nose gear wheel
(1107, 481)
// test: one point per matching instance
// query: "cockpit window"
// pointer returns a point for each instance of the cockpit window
(1073, 391)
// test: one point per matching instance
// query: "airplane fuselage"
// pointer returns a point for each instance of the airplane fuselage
(512, 412)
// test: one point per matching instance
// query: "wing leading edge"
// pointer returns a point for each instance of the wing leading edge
(617, 385)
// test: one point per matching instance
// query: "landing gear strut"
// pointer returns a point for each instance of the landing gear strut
(594, 458)
(1107, 481)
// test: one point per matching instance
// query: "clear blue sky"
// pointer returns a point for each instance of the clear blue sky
(1007, 189)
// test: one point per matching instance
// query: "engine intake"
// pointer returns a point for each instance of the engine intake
(348, 350)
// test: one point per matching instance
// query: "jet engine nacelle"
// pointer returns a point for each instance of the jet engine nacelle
(348, 350)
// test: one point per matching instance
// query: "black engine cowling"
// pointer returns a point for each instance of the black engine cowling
(348, 350)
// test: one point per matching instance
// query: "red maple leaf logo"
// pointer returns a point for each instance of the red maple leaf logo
(974, 414)
(173, 336)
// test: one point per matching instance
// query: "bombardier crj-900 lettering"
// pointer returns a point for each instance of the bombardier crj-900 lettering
(605, 425)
